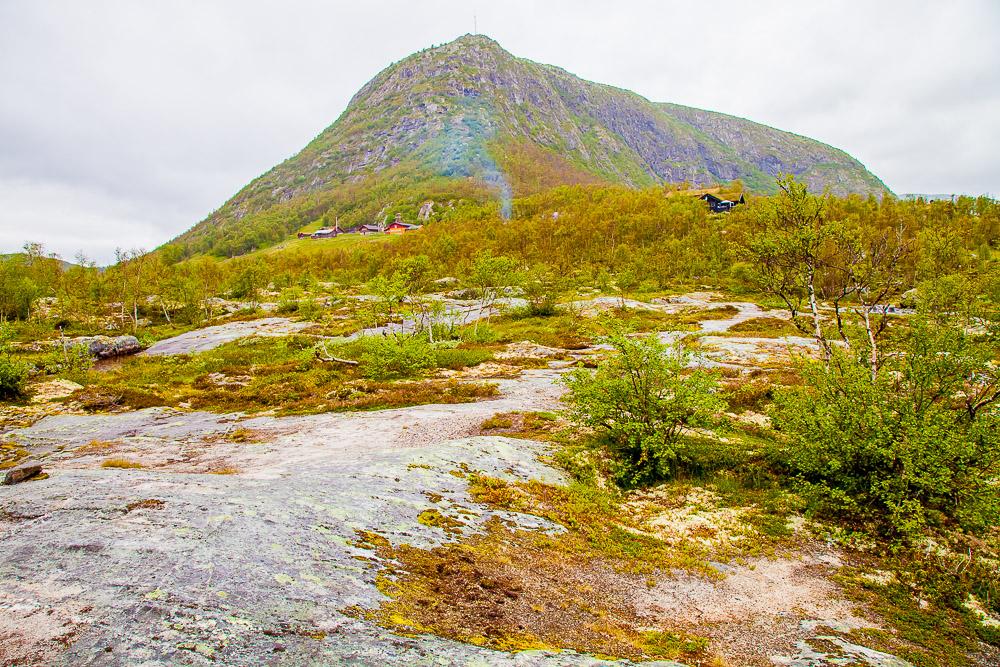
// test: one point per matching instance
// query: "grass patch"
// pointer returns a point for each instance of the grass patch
(121, 463)
(546, 426)
(273, 374)
(463, 356)
(146, 504)
(95, 447)
(496, 422)
(763, 327)
(568, 331)
(435, 519)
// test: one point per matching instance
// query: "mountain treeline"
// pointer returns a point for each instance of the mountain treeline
(592, 237)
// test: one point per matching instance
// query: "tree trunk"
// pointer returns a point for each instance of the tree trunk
(872, 343)
(814, 308)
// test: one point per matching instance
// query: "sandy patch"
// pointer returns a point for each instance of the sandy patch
(758, 610)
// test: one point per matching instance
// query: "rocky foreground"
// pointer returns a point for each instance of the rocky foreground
(270, 564)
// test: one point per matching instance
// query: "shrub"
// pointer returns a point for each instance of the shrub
(460, 357)
(13, 374)
(397, 356)
(748, 393)
(310, 310)
(917, 444)
(480, 334)
(541, 292)
(13, 378)
(640, 399)
(287, 306)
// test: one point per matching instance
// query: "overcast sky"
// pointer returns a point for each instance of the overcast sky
(124, 123)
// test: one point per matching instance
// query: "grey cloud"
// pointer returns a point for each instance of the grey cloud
(124, 123)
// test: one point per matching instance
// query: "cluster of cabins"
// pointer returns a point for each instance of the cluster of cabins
(397, 226)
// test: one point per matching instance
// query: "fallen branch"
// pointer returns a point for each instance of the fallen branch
(329, 358)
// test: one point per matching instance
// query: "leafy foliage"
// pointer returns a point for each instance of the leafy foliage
(917, 445)
(395, 356)
(640, 399)
(13, 374)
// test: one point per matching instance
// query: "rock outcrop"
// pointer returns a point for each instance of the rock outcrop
(105, 347)
(21, 473)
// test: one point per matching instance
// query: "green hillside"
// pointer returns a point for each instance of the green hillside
(467, 125)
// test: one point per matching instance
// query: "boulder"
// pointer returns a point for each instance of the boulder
(22, 472)
(104, 347)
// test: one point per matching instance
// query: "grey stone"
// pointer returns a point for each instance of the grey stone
(105, 347)
(22, 472)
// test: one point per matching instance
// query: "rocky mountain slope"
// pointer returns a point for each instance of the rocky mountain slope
(468, 119)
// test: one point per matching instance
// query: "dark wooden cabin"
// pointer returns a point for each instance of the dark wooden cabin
(720, 205)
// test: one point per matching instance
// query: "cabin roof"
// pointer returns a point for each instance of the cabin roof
(713, 199)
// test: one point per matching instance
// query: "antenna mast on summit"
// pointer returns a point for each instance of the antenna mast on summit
(475, 25)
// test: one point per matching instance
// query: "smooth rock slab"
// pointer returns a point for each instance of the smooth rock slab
(236, 565)
(209, 338)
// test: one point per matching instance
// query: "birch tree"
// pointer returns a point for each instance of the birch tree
(787, 249)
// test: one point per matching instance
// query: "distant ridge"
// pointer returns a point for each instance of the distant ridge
(469, 120)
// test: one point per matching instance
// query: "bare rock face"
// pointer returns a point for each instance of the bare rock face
(22, 472)
(105, 347)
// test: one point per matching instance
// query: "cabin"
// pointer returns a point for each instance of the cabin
(397, 226)
(400, 227)
(326, 232)
(365, 230)
(720, 205)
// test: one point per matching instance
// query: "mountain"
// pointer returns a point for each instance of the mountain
(468, 121)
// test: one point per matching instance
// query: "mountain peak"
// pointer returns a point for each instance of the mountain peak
(473, 40)
(467, 118)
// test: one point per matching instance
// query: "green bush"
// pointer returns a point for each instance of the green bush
(481, 334)
(13, 374)
(917, 445)
(460, 357)
(74, 359)
(397, 356)
(13, 378)
(639, 400)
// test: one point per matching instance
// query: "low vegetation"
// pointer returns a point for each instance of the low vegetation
(283, 375)
(513, 589)
(886, 444)
(640, 401)
(121, 463)
(912, 447)
(13, 373)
